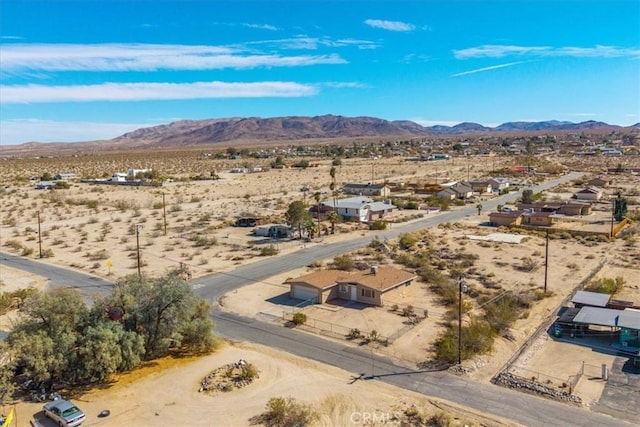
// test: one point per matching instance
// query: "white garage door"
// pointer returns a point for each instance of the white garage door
(304, 293)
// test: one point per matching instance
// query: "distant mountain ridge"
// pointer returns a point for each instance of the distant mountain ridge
(255, 129)
(194, 132)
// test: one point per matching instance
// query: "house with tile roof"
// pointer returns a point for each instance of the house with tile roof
(368, 287)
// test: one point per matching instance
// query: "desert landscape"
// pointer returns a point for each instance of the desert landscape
(100, 229)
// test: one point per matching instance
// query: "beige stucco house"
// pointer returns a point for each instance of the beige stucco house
(369, 287)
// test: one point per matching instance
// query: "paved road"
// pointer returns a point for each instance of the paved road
(522, 408)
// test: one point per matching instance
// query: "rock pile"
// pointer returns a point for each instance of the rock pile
(229, 377)
(509, 380)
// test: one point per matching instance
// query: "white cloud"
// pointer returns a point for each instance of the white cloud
(500, 51)
(493, 67)
(390, 25)
(152, 91)
(314, 43)
(261, 26)
(143, 57)
(19, 131)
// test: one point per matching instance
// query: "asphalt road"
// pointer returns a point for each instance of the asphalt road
(519, 407)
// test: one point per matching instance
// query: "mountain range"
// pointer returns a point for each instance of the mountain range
(254, 129)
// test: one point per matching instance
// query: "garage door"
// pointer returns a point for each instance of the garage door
(305, 293)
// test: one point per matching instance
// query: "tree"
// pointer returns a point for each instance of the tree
(317, 196)
(296, 215)
(527, 196)
(619, 207)
(479, 207)
(333, 218)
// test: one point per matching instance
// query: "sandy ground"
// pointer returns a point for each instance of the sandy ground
(166, 393)
(93, 228)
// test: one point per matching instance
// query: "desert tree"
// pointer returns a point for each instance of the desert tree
(297, 215)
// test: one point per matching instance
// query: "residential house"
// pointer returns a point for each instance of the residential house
(602, 181)
(560, 208)
(463, 191)
(481, 187)
(505, 218)
(65, 176)
(541, 219)
(275, 231)
(135, 173)
(367, 189)
(499, 184)
(362, 209)
(118, 177)
(45, 185)
(447, 193)
(368, 287)
(589, 193)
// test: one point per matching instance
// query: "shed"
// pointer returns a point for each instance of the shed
(590, 299)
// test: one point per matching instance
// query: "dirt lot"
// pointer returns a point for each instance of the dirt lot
(93, 228)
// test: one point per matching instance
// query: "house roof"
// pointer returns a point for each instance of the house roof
(609, 317)
(512, 214)
(369, 185)
(461, 188)
(386, 278)
(592, 190)
(357, 203)
(594, 299)
(322, 279)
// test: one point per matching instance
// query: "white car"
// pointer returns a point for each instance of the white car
(64, 413)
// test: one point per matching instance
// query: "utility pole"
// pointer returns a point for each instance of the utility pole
(138, 228)
(613, 214)
(39, 236)
(164, 214)
(373, 165)
(468, 176)
(546, 263)
(460, 283)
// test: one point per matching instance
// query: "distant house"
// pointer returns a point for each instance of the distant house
(367, 189)
(481, 187)
(541, 219)
(589, 193)
(447, 193)
(65, 176)
(362, 209)
(560, 208)
(499, 184)
(368, 287)
(275, 231)
(505, 218)
(463, 191)
(118, 177)
(238, 170)
(45, 185)
(602, 181)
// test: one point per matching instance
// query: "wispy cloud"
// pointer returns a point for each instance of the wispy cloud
(500, 51)
(493, 67)
(144, 57)
(313, 43)
(390, 25)
(11, 38)
(19, 131)
(261, 26)
(152, 91)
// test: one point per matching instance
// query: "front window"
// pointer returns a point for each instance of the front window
(367, 293)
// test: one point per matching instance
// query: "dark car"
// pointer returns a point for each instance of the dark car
(64, 413)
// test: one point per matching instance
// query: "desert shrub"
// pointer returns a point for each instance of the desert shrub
(248, 372)
(528, 265)
(344, 262)
(477, 338)
(26, 251)
(407, 240)
(379, 224)
(502, 313)
(286, 412)
(441, 419)
(299, 319)
(408, 311)
(268, 251)
(354, 334)
(606, 285)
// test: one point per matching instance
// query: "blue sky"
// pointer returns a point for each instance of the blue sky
(86, 70)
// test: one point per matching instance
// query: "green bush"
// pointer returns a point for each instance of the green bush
(606, 285)
(407, 240)
(268, 251)
(299, 319)
(477, 338)
(379, 224)
(344, 262)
